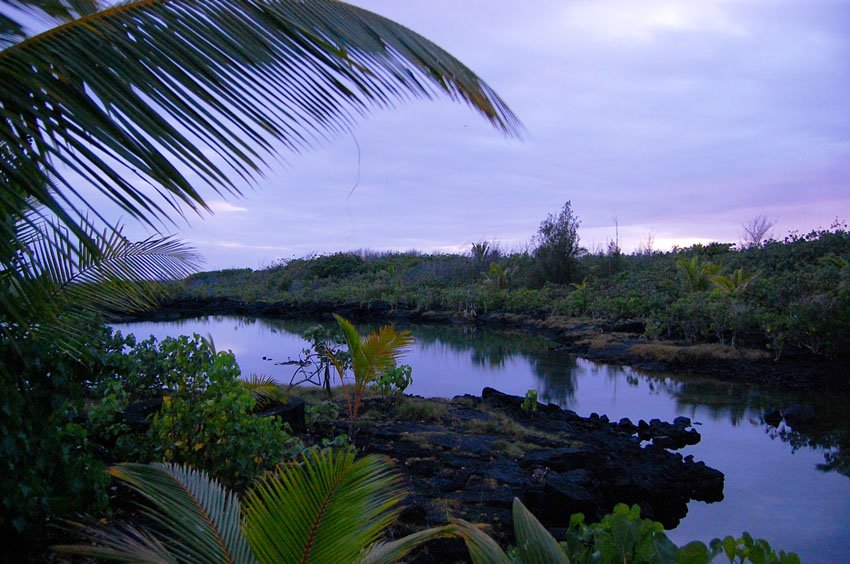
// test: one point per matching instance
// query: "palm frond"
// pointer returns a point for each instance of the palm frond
(352, 340)
(382, 349)
(264, 390)
(147, 92)
(534, 542)
(203, 519)
(327, 509)
(379, 351)
(482, 548)
(55, 278)
(394, 551)
(56, 11)
(121, 543)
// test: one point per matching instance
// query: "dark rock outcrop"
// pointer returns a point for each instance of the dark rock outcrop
(485, 451)
(290, 411)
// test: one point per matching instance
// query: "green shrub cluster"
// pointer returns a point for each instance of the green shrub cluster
(622, 536)
(62, 418)
(49, 464)
(205, 419)
(784, 295)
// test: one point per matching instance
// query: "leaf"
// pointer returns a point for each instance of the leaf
(264, 389)
(534, 543)
(57, 279)
(394, 551)
(482, 548)
(119, 544)
(664, 550)
(694, 552)
(327, 509)
(201, 521)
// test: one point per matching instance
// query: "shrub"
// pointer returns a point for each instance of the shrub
(394, 381)
(558, 250)
(205, 420)
(205, 417)
(338, 265)
(48, 462)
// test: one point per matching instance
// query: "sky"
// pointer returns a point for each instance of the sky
(676, 120)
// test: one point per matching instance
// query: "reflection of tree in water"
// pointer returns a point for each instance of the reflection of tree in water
(557, 372)
(486, 348)
(834, 443)
(830, 432)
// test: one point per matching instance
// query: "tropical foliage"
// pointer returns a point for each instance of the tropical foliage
(205, 418)
(329, 508)
(370, 357)
(149, 94)
(621, 536)
(146, 104)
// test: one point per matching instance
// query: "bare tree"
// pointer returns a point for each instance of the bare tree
(756, 231)
(645, 247)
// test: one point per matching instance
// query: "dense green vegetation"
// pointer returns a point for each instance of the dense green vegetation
(303, 513)
(790, 294)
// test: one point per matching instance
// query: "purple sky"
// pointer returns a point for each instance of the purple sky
(682, 118)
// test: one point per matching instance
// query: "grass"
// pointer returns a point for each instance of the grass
(602, 341)
(501, 424)
(671, 352)
(513, 449)
(421, 410)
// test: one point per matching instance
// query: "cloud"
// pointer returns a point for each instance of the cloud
(220, 206)
(626, 20)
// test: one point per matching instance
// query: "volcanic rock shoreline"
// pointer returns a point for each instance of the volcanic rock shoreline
(471, 458)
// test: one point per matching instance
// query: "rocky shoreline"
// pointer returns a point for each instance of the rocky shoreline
(469, 457)
(475, 454)
(613, 342)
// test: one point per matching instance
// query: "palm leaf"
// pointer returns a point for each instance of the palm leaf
(264, 390)
(56, 279)
(394, 551)
(382, 349)
(482, 548)
(120, 544)
(378, 352)
(150, 92)
(534, 543)
(200, 521)
(56, 11)
(204, 517)
(329, 509)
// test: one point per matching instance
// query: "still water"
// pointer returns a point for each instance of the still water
(790, 488)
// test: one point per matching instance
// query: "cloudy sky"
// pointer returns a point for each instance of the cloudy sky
(683, 119)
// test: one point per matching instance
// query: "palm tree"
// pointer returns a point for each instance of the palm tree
(737, 283)
(54, 279)
(368, 358)
(330, 508)
(142, 96)
(695, 274)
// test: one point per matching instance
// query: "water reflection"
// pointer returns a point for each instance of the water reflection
(453, 360)
(829, 433)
